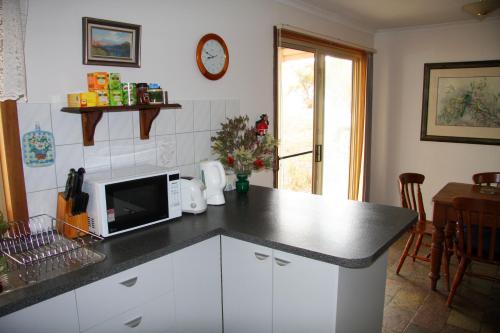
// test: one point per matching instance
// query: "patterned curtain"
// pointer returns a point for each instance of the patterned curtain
(13, 16)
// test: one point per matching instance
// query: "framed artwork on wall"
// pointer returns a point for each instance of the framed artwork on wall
(110, 43)
(461, 102)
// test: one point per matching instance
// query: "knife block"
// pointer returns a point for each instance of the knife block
(64, 214)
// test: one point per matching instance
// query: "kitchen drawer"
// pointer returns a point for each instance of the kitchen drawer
(153, 316)
(118, 293)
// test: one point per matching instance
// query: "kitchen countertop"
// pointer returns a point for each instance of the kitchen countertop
(345, 233)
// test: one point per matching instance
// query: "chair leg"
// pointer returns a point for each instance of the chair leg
(446, 263)
(464, 262)
(409, 242)
(417, 245)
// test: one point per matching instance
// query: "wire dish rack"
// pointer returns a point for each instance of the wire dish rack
(38, 250)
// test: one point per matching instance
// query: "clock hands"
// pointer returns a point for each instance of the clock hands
(210, 56)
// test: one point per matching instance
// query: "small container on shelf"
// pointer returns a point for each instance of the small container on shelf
(98, 81)
(115, 97)
(129, 93)
(88, 99)
(74, 100)
(142, 93)
(155, 93)
(102, 97)
(115, 82)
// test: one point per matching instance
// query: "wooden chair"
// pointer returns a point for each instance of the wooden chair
(478, 237)
(487, 178)
(411, 198)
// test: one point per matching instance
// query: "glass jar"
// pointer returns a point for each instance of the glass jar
(142, 93)
(155, 93)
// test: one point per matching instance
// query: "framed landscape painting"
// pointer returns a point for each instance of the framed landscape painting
(461, 102)
(110, 43)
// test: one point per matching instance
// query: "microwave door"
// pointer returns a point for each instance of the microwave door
(134, 203)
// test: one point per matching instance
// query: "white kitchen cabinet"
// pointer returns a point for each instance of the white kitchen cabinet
(247, 287)
(304, 294)
(154, 316)
(106, 298)
(55, 315)
(197, 283)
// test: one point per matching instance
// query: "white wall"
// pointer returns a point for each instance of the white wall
(397, 107)
(171, 30)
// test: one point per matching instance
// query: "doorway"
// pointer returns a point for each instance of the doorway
(319, 118)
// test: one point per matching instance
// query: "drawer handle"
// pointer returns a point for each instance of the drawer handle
(261, 256)
(134, 322)
(129, 282)
(281, 262)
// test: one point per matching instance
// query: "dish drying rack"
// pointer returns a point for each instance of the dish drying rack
(38, 250)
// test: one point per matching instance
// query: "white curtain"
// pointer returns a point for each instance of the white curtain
(13, 16)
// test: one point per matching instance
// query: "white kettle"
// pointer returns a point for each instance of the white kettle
(214, 178)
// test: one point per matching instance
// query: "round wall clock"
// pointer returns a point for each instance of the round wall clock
(212, 56)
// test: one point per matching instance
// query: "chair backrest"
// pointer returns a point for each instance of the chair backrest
(411, 195)
(487, 178)
(478, 231)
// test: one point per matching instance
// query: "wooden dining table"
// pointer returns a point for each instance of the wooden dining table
(444, 214)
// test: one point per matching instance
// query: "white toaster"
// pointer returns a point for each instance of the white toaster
(193, 196)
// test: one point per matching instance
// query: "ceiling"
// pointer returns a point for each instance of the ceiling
(375, 15)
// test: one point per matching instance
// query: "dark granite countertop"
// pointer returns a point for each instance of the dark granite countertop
(350, 234)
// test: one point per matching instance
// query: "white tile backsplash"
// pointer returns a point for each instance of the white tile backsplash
(184, 118)
(218, 114)
(67, 126)
(202, 118)
(185, 148)
(122, 153)
(145, 151)
(97, 157)
(166, 151)
(67, 157)
(178, 138)
(121, 125)
(201, 146)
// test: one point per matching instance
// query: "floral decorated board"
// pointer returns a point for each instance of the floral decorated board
(244, 148)
(38, 148)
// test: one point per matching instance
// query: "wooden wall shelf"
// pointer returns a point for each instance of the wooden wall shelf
(92, 115)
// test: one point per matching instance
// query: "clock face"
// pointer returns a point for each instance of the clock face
(212, 56)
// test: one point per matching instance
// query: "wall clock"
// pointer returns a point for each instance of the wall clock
(212, 56)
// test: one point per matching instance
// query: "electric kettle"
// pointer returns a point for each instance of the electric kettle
(214, 178)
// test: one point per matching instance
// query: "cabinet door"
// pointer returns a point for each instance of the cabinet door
(247, 286)
(304, 294)
(197, 285)
(55, 315)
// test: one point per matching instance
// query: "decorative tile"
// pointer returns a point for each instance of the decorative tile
(201, 115)
(217, 114)
(68, 156)
(120, 125)
(38, 148)
(232, 108)
(137, 125)
(184, 118)
(122, 153)
(165, 122)
(185, 148)
(166, 151)
(145, 151)
(42, 202)
(97, 157)
(67, 127)
(202, 150)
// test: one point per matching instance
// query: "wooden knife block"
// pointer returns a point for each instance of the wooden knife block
(64, 214)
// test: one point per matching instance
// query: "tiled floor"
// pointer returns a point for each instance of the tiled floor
(411, 307)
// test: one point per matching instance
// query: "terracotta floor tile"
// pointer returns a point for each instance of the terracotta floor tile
(412, 328)
(463, 320)
(396, 318)
(454, 329)
(433, 314)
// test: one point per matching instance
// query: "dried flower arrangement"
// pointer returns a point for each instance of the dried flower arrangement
(243, 148)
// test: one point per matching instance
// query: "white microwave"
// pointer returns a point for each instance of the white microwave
(126, 199)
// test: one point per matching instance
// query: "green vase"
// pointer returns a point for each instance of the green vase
(242, 184)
